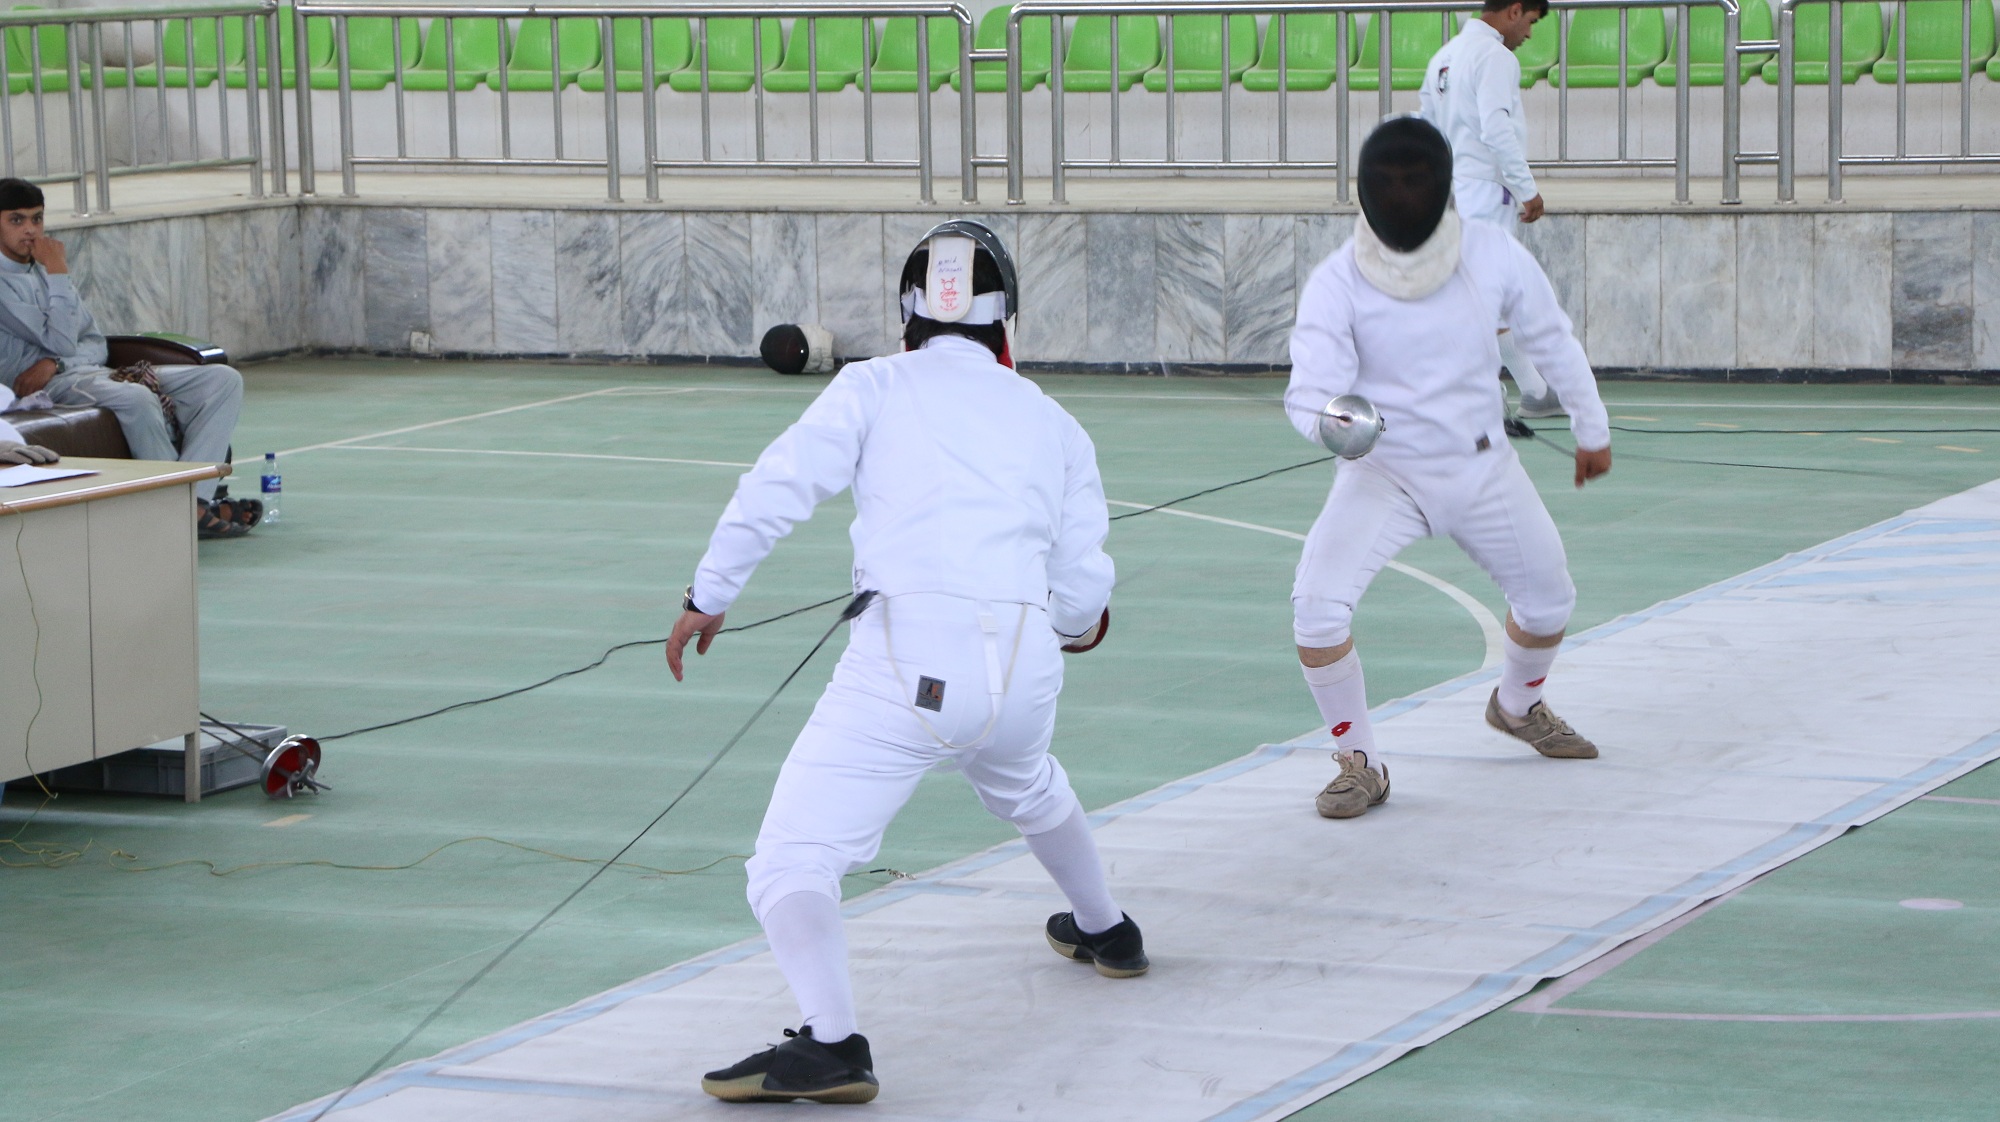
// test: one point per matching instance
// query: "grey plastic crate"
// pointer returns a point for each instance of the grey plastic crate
(161, 769)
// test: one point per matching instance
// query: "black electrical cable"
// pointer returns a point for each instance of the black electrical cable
(854, 608)
(1519, 430)
(1223, 487)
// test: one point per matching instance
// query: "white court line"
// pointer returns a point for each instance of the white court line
(1489, 626)
(1541, 1000)
(552, 455)
(1960, 799)
(452, 421)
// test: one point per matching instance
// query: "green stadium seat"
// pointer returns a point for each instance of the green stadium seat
(1860, 44)
(673, 50)
(1198, 64)
(532, 68)
(319, 52)
(1413, 38)
(845, 44)
(1593, 48)
(1537, 56)
(1312, 53)
(371, 54)
(730, 58)
(1936, 37)
(1705, 46)
(895, 69)
(1087, 63)
(1036, 56)
(478, 47)
(1993, 68)
(53, 63)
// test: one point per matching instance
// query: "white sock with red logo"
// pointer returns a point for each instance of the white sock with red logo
(1522, 673)
(1342, 696)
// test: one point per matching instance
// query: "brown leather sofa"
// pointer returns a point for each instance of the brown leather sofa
(87, 430)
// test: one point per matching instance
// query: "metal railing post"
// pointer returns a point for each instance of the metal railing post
(302, 89)
(924, 156)
(347, 109)
(101, 154)
(650, 107)
(77, 163)
(613, 172)
(1385, 97)
(1732, 101)
(1836, 100)
(1682, 105)
(1016, 188)
(1343, 22)
(1787, 101)
(1057, 188)
(968, 120)
(253, 124)
(275, 73)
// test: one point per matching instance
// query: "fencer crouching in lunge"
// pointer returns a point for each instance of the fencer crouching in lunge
(980, 520)
(1402, 315)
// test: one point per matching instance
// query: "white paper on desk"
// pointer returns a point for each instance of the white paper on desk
(27, 473)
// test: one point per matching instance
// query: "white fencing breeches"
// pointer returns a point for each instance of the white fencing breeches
(1482, 200)
(1370, 516)
(860, 757)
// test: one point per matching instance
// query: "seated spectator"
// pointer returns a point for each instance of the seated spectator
(49, 341)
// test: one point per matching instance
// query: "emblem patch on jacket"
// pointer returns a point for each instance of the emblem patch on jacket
(930, 694)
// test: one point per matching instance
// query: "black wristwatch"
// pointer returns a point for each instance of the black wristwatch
(687, 602)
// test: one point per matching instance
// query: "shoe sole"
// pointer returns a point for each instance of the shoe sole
(750, 1089)
(1082, 954)
(1498, 726)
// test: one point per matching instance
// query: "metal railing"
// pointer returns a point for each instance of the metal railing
(88, 113)
(806, 20)
(1279, 11)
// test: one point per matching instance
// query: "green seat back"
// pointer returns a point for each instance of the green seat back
(1413, 38)
(839, 45)
(1090, 44)
(1311, 41)
(1593, 38)
(1537, 56)
(1037, 57)
(673, 45)
(581, 46)
(319, 43)
(371, 43)
(174, 51)
(1197, 42)
(1706, 33)
(729, 47)
(1937, 33)
(1860, 33)
(898, 51)
(478, 46)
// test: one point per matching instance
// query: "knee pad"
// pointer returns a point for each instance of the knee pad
(779, 870)
(1319, 621)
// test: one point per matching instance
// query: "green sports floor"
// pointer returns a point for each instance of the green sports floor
(478, 527)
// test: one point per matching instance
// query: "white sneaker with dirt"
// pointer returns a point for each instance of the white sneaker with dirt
(1358, 787)
(1541, 728)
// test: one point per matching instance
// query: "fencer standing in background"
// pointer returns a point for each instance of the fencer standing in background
(1400, 315)
(1472, 93)
(980, 524)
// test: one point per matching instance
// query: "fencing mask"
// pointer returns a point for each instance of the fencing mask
(1405, 181)
(798, 348)
(960, 275)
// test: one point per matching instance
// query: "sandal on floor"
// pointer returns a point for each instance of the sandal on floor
(244, 512)
(209, 524)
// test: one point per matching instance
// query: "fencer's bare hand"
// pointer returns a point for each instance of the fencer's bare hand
(1530, 210)
(35, 378)
(1590, 465)
(687, 627)
(51, 254)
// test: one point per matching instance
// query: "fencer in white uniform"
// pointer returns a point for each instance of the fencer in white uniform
(980, 523)
(1400, 316)
(1472, 93)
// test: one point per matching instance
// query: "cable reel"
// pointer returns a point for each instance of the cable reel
(291, 767)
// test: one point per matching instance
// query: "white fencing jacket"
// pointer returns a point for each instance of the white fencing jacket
(967, 480)
(1428, 364)
(1472, 93)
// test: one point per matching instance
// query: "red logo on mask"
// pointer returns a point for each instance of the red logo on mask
(1342, 728)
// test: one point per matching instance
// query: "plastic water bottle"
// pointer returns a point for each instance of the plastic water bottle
(274, 486)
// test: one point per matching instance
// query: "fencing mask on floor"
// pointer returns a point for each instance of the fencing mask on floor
(798, 348)
(1405, 181)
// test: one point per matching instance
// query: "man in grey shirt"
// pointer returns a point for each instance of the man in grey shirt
(49, 341)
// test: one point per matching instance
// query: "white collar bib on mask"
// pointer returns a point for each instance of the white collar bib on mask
(1414, 275)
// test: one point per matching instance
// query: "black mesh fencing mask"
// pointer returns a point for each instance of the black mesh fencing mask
(1405, 181)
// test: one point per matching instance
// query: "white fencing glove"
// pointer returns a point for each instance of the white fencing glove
(15, 452)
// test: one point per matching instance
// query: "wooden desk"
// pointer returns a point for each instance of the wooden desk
(110, 562)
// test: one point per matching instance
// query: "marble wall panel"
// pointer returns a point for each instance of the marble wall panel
(1851, 278)
(186, 298)
(714, 308)
(1557, 241)
(1188, 286)
(1775, 291)
(899, 235)
(1054, 324)
(1258, 289)
(395, 269)
(652, 247)
(1698, 292)
(854, 284)
(1932, 309)
(253, 274)
(1121, 270)
(103, 261)
(287, 247)
(1622, 289)
(331, 246)
(459, 245)
(524, 282)
(588, 316)
(1314, 238)
(151, 276)
(1986, 290)
(784, 257)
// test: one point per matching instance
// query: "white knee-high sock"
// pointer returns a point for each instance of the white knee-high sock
(1069, 853)
(1341, 692)
(810, 944)
(1522, 368)
(1522, 673)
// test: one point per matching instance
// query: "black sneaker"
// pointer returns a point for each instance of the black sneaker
(1118, 952)
(800, 1068)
